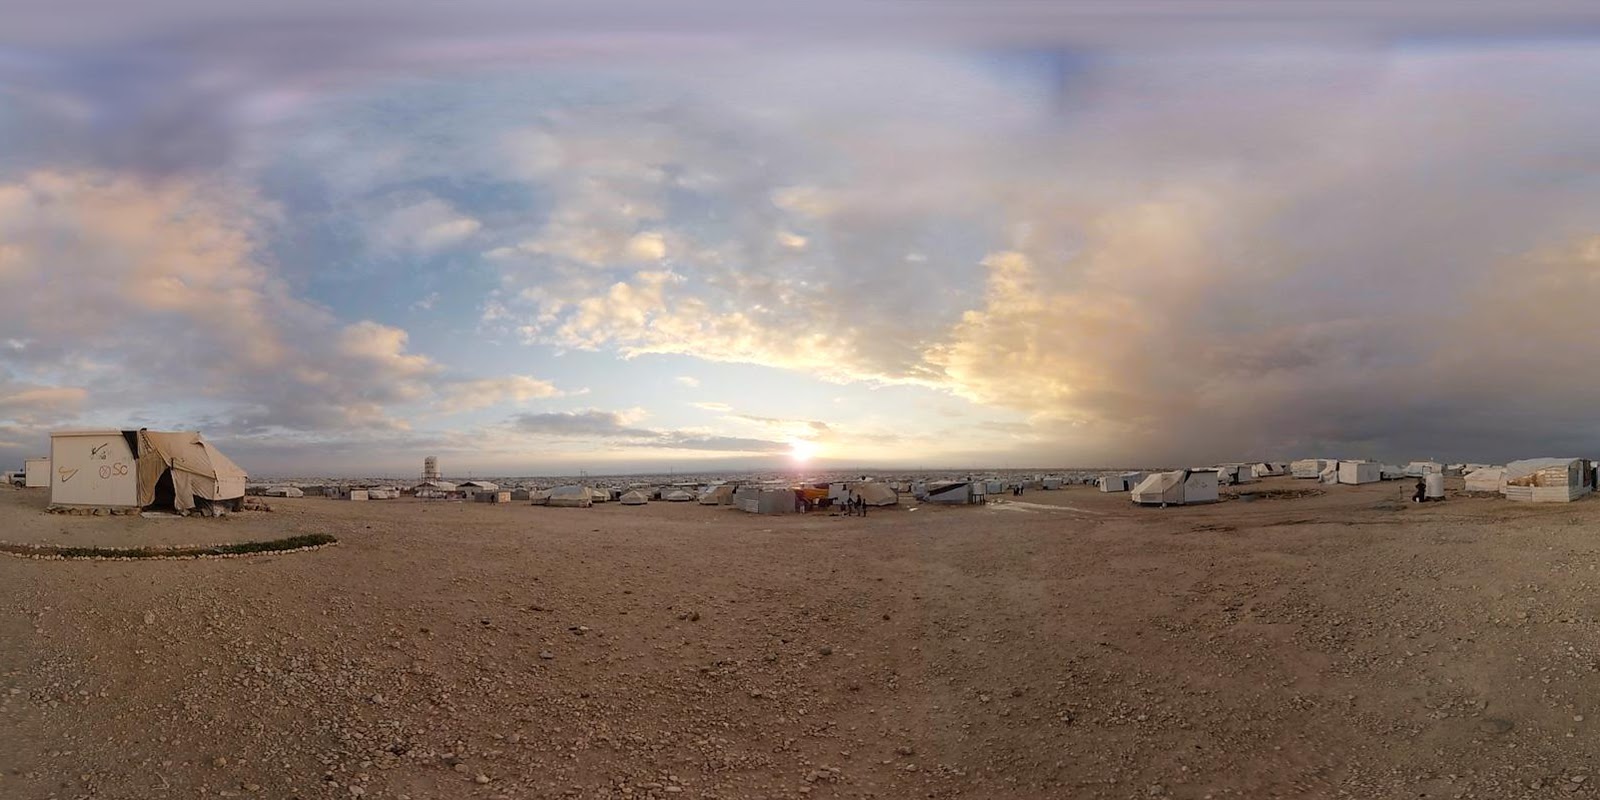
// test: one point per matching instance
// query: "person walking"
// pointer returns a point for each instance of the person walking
(862, 499)
(1422, 491)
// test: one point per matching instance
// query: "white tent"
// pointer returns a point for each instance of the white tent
(570, 496)
(719, 495)
(633, 498)
(1355, 473)
(1547, 480)
(958, 493)
(1308, 467)
(876, 494)
(598, 495)
(677, 496)
(1487, 479)
(1236, 473)
(1266, 469)
(1120, 483)
(283, 491)
(1330, 472)
(1182, 487)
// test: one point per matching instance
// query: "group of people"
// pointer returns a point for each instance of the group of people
(855, 506)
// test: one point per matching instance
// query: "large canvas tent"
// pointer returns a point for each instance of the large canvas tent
(1486, 479)
(633, 498)
(183, 470)
(719, 495)
(1182, 487)
(677, 496)
(876, 494)
(1547, 480)
(570, 496)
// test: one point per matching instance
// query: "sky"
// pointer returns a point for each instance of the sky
(537, 238)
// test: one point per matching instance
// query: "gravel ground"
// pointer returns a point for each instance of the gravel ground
(1063, 644)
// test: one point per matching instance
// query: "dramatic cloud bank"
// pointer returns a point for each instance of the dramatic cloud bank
(1087, 234)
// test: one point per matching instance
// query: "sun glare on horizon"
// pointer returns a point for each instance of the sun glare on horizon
(801, 451)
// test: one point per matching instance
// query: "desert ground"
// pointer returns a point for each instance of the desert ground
(1060, 645)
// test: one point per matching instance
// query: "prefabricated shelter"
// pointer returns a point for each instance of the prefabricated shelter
(994, 487)
(1308, 467)
(500, 496)
(1391, 472)
(36, 473)
(282, 491)
(1487, 479)
(758, 500)
(1355, 473)
(1051, 484)
(1232, 474)
(957, 493)
(1182, 487)
(570, 496)
(1267, 469)
(719, 495)
(1547, 480)
(94, 468)
(356, 494)
(1418, 469)
(633, 498)
(1120, 483)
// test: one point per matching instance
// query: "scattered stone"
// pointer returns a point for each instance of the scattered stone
(546, 654)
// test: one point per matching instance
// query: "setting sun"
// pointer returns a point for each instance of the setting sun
(801, 450)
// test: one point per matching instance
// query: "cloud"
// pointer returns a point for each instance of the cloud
(689, 381)
(709, 406)
(154, 294)
(485, 392)
(621, 428)
(422, 225)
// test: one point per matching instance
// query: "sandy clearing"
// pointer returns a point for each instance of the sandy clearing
(1337, 646)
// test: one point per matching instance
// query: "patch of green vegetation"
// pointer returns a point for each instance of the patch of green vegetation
(240, 548)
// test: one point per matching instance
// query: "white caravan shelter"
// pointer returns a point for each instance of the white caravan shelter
(94, 468)
(36, 473)
(1355, 473)
(1547, 480)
